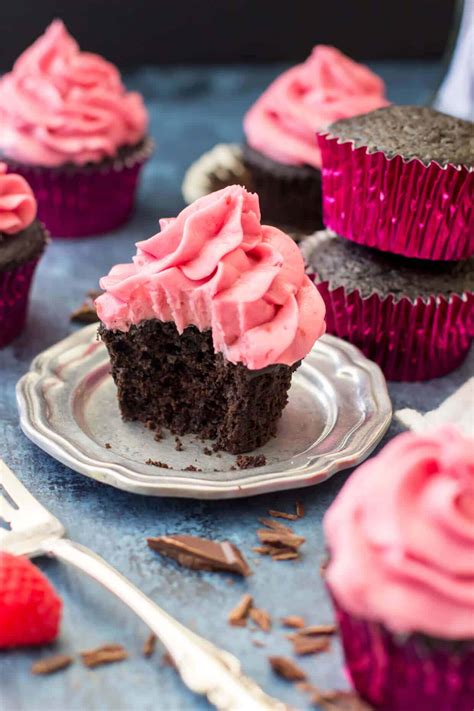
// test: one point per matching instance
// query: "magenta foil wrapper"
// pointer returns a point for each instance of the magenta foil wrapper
(414, 673)
(410, 340)
(14, 294)
(80, 202)
(398, 206)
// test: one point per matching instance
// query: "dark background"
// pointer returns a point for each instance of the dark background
(132, 32)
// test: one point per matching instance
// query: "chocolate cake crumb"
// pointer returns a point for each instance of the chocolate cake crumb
(108, 445)
(179, 445)
(248, 461)
(261, 618)
(201, 553)
(155, 463)
(149, 645)
(49, 665)
(295, 621)
(192, 468)
(283, 514)
(238, 615)
(207, 451)
(106, 654)
(287, 668)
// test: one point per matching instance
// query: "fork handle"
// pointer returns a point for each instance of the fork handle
(204, 668)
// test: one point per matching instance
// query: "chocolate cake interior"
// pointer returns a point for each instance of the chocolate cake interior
(179, 382)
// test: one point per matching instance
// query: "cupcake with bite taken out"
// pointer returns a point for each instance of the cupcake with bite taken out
(68, 125)
(22, 242)
(208, 322)
(401, 573)
(281, 152)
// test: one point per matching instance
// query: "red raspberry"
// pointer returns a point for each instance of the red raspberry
(30, 609)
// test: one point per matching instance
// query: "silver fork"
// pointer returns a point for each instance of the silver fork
(204, 668)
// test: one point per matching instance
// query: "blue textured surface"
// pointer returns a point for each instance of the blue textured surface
(191, 110)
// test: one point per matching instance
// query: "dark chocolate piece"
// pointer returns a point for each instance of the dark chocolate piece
(412, 132)
(178, 381)
(355, 267)
(201, 553)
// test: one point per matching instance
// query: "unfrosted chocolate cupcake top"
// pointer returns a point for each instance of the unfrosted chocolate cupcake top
(344, 263)
(412, 132)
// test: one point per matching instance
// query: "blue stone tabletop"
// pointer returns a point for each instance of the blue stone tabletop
(191, 109)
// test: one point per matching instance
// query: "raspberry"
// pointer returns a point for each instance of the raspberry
(30, 609)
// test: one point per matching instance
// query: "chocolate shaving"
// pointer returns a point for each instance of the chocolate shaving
(276, 526)
(287, 668)
(247, 461)
(261, 618)
(339, 701)
(86, 312)
(310, 645)
(314, 630)
(52, 664)
(168, 660)
(238, 616)
(280, 539)
(299, 509)
(149, 646)
(283, 514)
(155, 463)
(258, 643)
(285, 555)
(293, 621)
(201, 553)
(106, 654)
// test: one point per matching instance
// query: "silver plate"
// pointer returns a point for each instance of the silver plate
(338, 410)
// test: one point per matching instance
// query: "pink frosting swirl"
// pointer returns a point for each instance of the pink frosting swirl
(215, 266)
(17, 203)
(60, 105)
(328, 86)
(401, 536)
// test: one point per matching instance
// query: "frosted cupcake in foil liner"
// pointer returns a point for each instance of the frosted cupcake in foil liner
(401, 540)
(412, 317)
(73, 131)
(401, 179)
(22, 241)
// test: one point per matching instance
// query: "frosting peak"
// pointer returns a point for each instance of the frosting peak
(17, 203)
(61, 105)
(328, 86)
(401, 536)
(215, 266)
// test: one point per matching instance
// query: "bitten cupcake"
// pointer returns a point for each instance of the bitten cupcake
(415, 318)
(68, 125)
(401, 179)
(281, 151)
(401, 573)
(206, 326)
(22, 242)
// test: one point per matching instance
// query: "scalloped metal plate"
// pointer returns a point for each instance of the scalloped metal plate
(338, 411)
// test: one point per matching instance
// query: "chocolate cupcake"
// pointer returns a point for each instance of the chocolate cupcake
(22, 242)
(413, 317)
(75, 134)
(207, 324)
(281, 152)
(401, 179)
(401, 538)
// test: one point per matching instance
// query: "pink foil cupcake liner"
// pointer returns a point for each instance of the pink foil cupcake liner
(80, 202)
(398, 206)
(14, 294)
(401, 674)
(410, 340)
